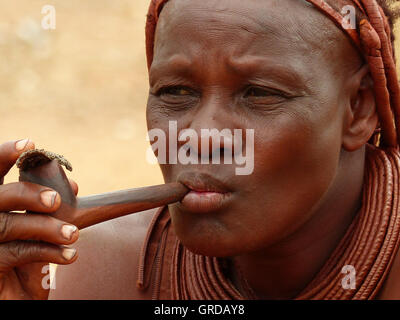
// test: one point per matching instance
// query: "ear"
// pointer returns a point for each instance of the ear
(361, 118)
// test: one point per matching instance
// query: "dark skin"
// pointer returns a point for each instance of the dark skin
(301, 100)
(309, 98)
(22, 261)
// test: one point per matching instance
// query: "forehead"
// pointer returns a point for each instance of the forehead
(285, 20)
(282, 29)
(262, 15)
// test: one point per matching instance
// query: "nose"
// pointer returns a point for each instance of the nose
(211, 124)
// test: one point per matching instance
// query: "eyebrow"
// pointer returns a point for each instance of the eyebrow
(177, 63)
(267, 69)
(258, 67)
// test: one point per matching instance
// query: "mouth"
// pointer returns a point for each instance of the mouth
(207, 194)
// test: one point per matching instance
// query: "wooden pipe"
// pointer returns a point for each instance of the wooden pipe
(44, 168)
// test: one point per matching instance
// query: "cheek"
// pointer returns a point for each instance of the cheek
(159, 118)
(155, 116)
(296, 160)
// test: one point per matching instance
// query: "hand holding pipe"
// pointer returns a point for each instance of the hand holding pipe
(45, 168)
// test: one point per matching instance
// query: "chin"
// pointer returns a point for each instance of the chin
(210, 237)
(209, 251)
(212, 246)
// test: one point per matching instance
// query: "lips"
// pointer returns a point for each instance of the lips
(207, 194)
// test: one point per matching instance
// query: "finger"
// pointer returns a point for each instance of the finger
(25, 226)
(18, 253)
(74, 186)
(10, 151)
(28, 196)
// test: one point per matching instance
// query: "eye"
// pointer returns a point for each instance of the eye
(175, 91)
(263, 98)
(256, 92)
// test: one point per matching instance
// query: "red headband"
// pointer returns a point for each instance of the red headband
(373, 38)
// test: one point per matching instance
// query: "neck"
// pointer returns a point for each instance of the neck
(288, 266)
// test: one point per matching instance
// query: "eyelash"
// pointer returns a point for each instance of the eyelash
(269, 92)
(165, 90)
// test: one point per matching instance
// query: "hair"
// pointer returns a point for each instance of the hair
(391, 10)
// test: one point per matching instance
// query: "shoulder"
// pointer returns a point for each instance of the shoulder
(107, 264)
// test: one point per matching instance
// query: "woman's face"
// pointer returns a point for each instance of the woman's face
(277, 67)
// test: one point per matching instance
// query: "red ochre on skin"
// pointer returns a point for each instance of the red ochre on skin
(361, 246)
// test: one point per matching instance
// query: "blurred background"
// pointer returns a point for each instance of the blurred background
(79, 90)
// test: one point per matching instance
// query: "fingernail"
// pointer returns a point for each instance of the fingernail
(68, 254)
(67, 231)
(48, 198)
(21, 144)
